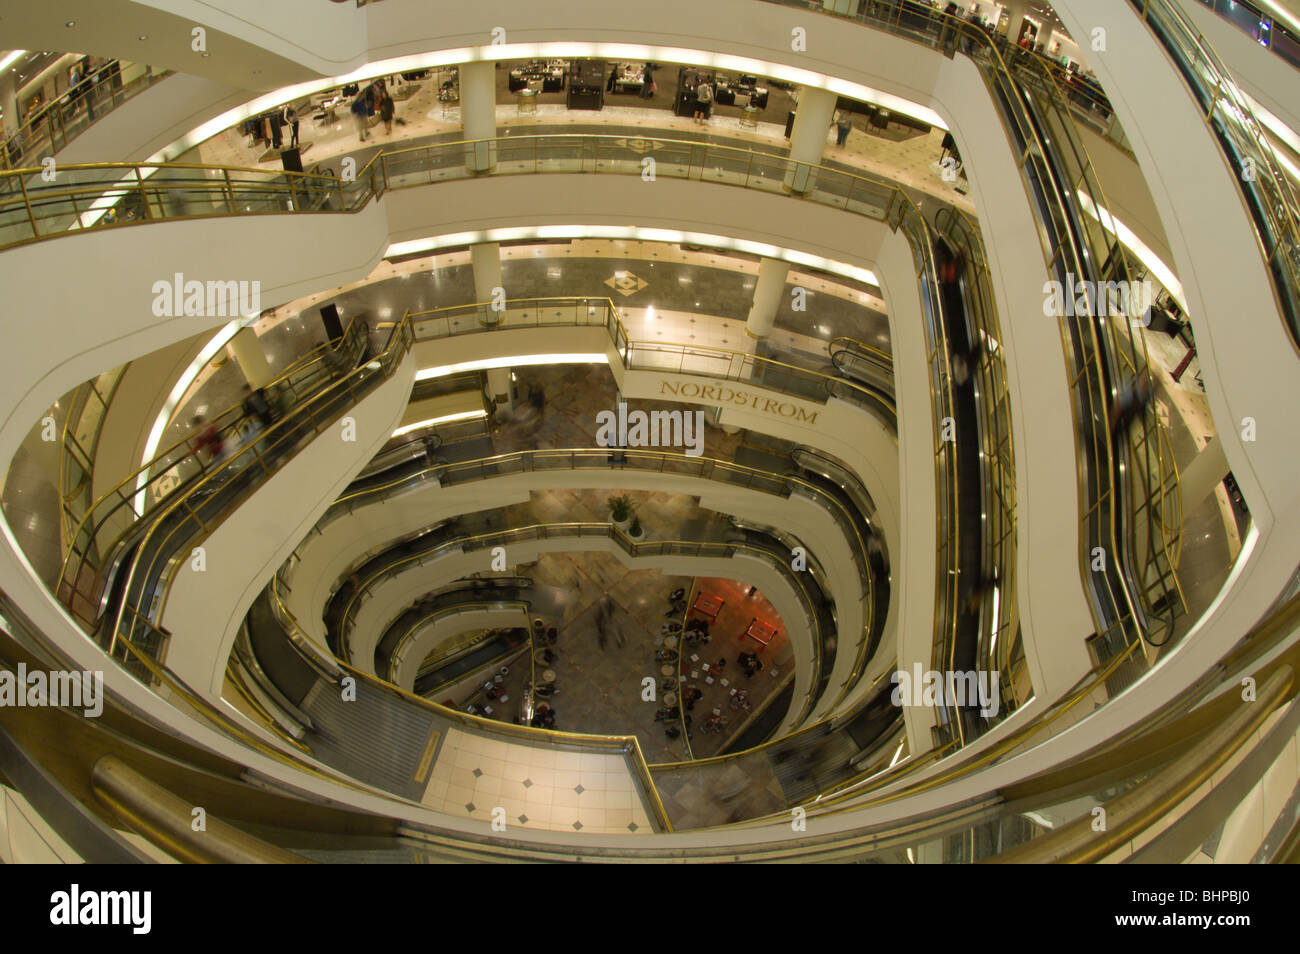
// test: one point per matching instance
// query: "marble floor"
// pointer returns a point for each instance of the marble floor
(536, 787)
(910, 160)
(719, 685)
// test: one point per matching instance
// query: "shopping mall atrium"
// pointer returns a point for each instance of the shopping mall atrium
(753, 430)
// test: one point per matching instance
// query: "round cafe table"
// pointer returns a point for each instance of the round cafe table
(670, 642)
(665, 670)
(548, 676)
(670, 698)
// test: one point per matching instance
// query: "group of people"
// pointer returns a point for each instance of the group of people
(696, 631)
(260, 412)
(544, 717)
(374, 98)
(648, 85)
(750, 663)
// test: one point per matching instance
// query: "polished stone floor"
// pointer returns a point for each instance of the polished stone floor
(714, 667)
(611, 620)
(898, 153)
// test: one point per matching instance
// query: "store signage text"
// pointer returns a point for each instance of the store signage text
(721, 394)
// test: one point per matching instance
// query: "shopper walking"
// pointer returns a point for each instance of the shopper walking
(703, 101)
(361, 117)
(386, 111)
(843, 126)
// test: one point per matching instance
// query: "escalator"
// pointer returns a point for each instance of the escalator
(867, 366)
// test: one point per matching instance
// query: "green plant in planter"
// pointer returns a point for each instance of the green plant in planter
(635, 529)
(620, 507)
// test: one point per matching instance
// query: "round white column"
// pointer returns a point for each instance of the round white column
(767, 297)
(251, 358)
(478, 110)
(812, 123)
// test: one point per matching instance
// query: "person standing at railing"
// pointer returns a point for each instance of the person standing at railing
(85, 90)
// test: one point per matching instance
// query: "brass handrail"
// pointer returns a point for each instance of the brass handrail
(700, 467)
(887, 202)
(1275, 201)
(123, 493)
(580, 529)
(628, 744)
(452, 610)
(385, 363)
(53, 113)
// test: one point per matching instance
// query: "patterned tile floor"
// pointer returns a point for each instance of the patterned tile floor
(535, 787)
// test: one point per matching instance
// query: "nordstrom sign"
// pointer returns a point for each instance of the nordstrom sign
(723, 394)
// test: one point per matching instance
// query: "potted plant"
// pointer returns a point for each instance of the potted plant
(620, 510)
(635, 531)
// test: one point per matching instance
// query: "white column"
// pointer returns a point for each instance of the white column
(1203, 475)
(9, 100)
(478, 110)
(251, 358)
(500, 388)
(767, 297)
(812, 123)
(1016, 13)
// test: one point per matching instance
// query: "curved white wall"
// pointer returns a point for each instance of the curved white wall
(324, 557)
(206, 607)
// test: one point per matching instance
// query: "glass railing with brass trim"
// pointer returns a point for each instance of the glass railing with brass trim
(1266, 191)
(97, 529)
(772, 555)
(980, 827)
(1073, 217)
(55, 125)
(105, 195)
(639, 355)
(998, 621)
(481, 725)
(398, 656)
(657, 462)
(122, 600)
(87, 409)
(192, 191)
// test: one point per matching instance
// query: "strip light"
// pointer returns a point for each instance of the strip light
(488, 364)
(445, 419)
(634, 52)
(761, 249)
(1163, 273)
